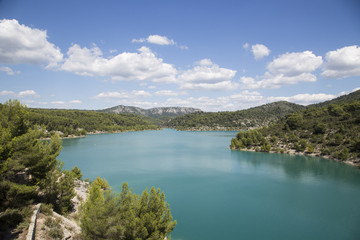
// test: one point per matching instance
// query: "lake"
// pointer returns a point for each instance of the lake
(216, 193)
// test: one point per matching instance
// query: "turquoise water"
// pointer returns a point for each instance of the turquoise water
(216, 193)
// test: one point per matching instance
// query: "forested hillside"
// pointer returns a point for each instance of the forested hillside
(79, 122)
(332, 131)
(30, 173)
(29, 170)
(244, 119)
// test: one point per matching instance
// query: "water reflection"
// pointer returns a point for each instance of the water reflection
(300, 167)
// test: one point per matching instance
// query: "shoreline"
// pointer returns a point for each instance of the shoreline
(99, 132)
(293, 152)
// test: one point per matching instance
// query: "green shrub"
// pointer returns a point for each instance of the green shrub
(46, 209)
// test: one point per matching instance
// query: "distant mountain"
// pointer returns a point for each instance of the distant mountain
(152, 112)
(243, 119)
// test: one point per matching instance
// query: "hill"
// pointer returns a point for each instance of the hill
(354, 96)
(80, 122)
(330, 129)
(243, 119)
(152, 112)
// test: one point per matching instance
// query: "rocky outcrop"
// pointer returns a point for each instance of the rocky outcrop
(152, 112)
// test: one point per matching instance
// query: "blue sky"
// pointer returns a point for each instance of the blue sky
(213, 55)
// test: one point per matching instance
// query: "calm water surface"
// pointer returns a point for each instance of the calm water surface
(216, 193)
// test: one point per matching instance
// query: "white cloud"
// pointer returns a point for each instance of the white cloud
(160, 40)
(123, 94)
(342, 63)
(141, 66)
(58, 102)
(7, 93)
(22, 94)
(75, 102)
(289, 68)
(155, 39)
(167, 93)
(207, 75)
(296, 63)
(259, 51)
(8, 71)
(246, 45)
(305, 99)
(183, 47)
(227, 103)
(21, 44)
(28, 93)
(140, 40)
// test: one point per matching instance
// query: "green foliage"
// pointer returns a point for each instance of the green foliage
(55, 231)
(46, 209)
(126, 215)
(102, 183)
(28, 165)
(76, 173)
(295, 121)
(243, 119)
(58, 189)
(78, 122)
(330, 130)
(319, 128)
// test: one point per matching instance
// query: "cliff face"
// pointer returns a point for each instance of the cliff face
(152, 112)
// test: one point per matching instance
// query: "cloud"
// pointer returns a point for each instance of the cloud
(342, 63)
(141, 66)
(155, 39)
(21, 44)
(28, 93)
(289, 68)
(167, 93)
(296, 63)
(246, 45)
(259, 51)
(75, 102)
(242, 100)
(123, 94)
(207, 75)
(305, 99)
(7, 93)
(22, 94)
(57, 102)
(8, 71)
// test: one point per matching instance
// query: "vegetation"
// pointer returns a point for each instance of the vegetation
(79, 122)
(29, 170)
(30, 173)
(244, 119)
(330, 130)
(127, 216)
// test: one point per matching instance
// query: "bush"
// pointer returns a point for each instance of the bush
(46, 209)
(56, 233)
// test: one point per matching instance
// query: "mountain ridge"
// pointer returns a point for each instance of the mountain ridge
(151, 112)
(250, 118)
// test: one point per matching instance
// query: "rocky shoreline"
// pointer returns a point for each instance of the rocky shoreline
(355, 162)
(96, 132)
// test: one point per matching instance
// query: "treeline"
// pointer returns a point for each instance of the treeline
(332, 130)
(30, 173)
(244, 119)
(80, 122)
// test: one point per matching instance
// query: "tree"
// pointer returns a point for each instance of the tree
(76, 173)
(26, 164)
(93, 218)
(126, 215)
(294, 121)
